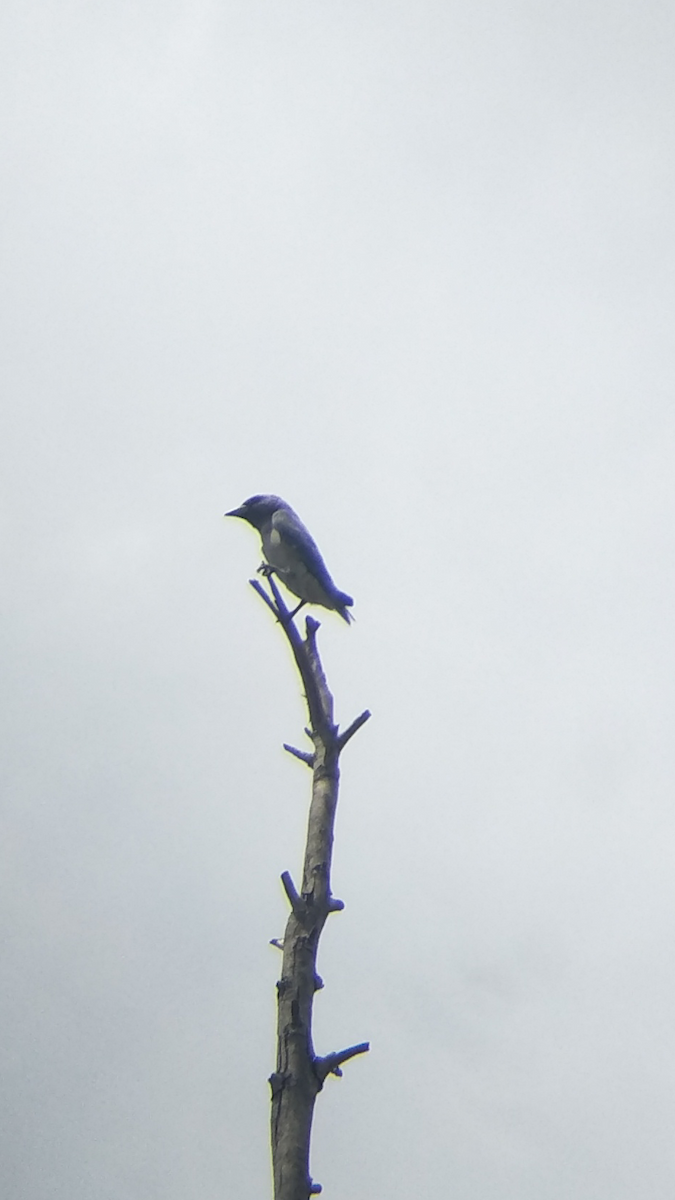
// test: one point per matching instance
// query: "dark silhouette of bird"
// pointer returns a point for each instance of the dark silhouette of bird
(292, 553)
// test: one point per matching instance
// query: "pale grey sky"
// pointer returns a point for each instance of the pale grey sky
(410, 266)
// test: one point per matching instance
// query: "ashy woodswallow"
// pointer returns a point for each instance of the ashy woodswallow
(292, 553)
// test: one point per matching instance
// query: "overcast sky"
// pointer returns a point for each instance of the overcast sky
(409, 265)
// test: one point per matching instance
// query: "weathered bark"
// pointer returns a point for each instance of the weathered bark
(300, 1074)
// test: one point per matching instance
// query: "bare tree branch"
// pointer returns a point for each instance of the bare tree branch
(330, 1065)
(317, 714)
(258, 587)
(353, 728)
(303, 755)
(296, 902)
(300, 1074)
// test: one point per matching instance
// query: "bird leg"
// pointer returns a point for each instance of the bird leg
(296, 609)
(267, 570)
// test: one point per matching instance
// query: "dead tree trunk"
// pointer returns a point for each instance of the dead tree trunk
(300, 1073)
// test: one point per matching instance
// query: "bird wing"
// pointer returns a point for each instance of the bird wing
(293, 532)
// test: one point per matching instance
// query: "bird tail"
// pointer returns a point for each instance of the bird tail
(344, 602)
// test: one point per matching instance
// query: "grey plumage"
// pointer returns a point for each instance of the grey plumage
(291, 550)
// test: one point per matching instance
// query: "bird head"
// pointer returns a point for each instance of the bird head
(257, 509)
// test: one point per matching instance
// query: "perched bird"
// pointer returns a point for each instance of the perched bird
(292, 553)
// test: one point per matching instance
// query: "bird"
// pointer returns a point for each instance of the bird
(292, 553)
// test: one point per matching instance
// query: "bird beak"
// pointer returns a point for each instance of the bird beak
(235, 512)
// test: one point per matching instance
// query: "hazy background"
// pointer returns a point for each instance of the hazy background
(410, 265)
